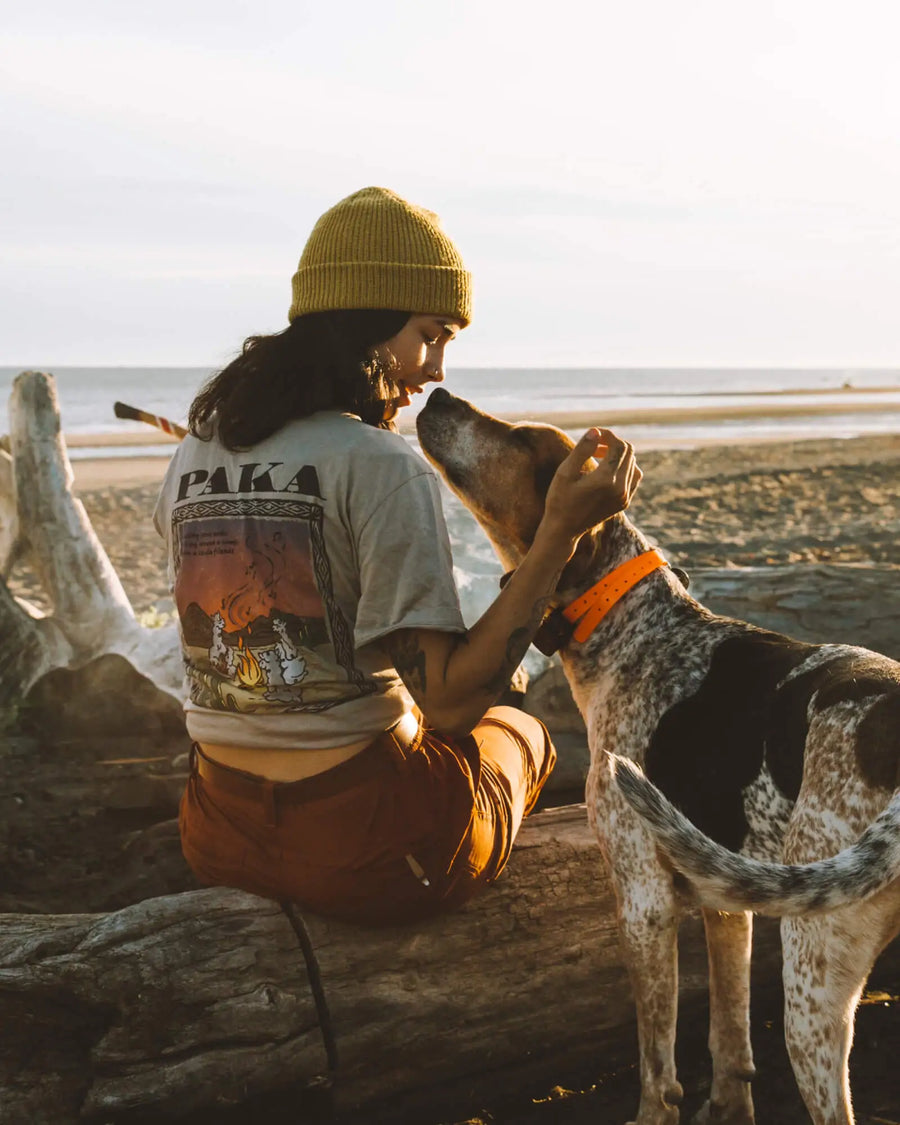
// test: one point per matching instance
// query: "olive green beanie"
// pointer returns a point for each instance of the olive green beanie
(373, 250)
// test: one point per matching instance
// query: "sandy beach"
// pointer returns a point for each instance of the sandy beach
(719, 504)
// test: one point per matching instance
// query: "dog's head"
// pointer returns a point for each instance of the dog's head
(499, 470)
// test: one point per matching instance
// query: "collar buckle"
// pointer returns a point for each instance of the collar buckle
(554, 633)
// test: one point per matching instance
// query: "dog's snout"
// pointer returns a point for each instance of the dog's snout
(440, 397)
(442, 400)
(439, 405)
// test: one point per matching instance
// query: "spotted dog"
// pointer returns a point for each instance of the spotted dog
(774, 751)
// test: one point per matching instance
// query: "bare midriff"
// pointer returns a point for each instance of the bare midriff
(282, 765)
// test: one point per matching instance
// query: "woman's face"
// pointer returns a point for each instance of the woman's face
(415, 356)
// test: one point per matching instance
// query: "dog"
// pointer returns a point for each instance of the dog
(775, 751)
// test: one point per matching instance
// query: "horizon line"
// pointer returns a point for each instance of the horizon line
(512, 367)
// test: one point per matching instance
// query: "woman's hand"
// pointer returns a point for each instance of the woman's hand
(598, 479)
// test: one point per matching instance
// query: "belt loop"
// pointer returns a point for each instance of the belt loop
(270, 804)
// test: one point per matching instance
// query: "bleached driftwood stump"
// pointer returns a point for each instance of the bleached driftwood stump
(10, 542)
(41, 518)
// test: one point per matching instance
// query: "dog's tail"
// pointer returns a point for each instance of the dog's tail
(725, 880)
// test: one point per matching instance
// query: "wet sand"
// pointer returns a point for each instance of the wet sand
(122, 438)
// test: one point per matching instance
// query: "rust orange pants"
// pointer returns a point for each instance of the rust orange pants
(395, 834)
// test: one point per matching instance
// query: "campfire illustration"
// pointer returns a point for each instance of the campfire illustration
(271, 665)
(248, 669)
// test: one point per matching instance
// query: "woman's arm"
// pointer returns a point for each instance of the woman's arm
(454, 678)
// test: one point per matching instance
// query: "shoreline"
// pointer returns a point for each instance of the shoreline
(575, 419)
(130, 471)
(565, 419)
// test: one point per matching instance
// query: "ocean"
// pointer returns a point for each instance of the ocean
(652, 407)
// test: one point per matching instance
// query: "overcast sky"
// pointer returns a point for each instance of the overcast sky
(709, 182)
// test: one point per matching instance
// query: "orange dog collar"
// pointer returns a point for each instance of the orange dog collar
(594, 605)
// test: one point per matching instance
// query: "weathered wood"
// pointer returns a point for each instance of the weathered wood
(202, 999)
(11, 544)
(90, 608)
(30, 648)
(846, 603)
(71, 563)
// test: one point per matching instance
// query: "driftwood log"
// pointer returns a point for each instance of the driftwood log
(843, 603)
(203, 999)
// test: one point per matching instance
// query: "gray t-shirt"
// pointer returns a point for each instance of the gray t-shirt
(288, 563)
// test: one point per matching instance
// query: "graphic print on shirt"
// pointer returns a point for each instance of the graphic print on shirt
(260, 626)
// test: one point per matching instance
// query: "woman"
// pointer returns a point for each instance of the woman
(347, 755)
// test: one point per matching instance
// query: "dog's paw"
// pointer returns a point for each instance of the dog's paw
(667, 1116)
(710, 1114)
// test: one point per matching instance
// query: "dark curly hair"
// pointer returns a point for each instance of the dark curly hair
(321, 361)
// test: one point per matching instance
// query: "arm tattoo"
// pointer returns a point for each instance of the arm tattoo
(457, 641)
(516, 647)
(409, 660)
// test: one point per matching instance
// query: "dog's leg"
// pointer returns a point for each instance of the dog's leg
(647, 915)
(728, 939)
(826, 962)
(648, 931)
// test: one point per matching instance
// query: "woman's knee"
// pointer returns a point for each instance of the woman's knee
(527, 731)
(533, 729)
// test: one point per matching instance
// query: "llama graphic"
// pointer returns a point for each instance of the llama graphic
(221, 656)
(293, 666)
(283, 667)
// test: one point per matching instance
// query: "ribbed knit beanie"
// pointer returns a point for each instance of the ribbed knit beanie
(373, 250)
